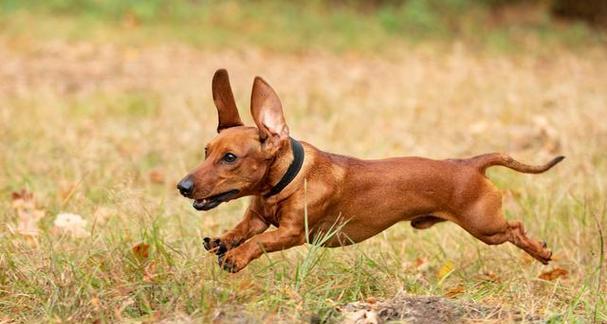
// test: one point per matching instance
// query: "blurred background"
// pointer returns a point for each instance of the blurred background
(106, 104)
(330, 25)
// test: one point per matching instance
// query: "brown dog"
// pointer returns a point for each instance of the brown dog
(289, 179)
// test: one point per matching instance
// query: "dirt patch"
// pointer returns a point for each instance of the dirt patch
(427, 309)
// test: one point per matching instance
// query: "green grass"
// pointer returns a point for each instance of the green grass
(285, 26)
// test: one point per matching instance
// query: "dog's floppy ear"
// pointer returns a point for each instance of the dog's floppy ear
(266, 110)
(224, 101)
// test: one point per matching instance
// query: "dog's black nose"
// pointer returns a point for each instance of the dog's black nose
(186, 186)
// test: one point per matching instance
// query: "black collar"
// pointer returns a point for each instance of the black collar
(292, 171)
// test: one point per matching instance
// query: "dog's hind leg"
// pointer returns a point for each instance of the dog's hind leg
(486, 222)
(514, 232)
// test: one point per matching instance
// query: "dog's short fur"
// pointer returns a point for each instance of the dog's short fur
(363, 197)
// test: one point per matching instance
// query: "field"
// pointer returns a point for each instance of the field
(103, 121)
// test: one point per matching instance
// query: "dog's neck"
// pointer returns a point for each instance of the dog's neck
(285, 168)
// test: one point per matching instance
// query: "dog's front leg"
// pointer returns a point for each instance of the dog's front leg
(251, 224)
(283, 238)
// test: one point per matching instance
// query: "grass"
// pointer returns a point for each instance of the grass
(104, 130)
(311, 26)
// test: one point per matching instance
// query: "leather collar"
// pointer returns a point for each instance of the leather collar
(292, 171)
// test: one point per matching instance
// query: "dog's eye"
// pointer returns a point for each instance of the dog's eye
(229, 158)
(206, 153)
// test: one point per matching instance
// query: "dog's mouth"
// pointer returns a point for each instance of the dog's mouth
(214, 201)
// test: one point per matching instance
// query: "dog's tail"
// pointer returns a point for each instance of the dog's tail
(482, 162)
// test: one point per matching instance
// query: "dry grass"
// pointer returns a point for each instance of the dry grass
(105, 131)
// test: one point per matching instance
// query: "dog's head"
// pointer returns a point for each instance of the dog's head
(238, 159)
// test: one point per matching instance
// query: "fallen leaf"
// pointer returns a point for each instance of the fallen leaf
(444, 270)
(28, 221)
(420, 262)
(371, 300)
(455, 291)
(71, 224)
(156, 176)
(141, 251)
(19, 197)
(554, 274)
(28, 215)
(149, 272)
(490, 276)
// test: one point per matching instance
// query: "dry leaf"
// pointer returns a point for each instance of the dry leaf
(149, 272)
(455, 291)
(371, 300)
(445, 270)
(141, 251)
(554, 274)
(28, 221)
(420, 264)
(70, 224)
(18, 197)
(156, 176)
(28, 215)
(490, 276)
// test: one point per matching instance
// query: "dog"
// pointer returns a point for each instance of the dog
(304, 192)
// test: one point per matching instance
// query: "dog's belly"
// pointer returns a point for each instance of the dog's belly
(377, 195)
(344, 231)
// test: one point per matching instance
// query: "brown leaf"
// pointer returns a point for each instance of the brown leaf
(28, 221)
(554, 274)
(141, 251)
(490, 276)
(28, 215)
(156, 176)
(22, 194)
(371, 300)
(421, 264)
(22, 199)
(455, 291)
(149, 272)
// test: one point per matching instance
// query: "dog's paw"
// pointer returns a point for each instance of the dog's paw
(228, 263)
(546, 254)
(546, 258)
(214, 245)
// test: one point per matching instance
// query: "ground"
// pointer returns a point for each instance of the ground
(104, 130)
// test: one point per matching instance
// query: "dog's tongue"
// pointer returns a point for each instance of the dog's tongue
(205, 204)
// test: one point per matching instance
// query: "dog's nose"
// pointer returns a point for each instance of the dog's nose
(186, 186)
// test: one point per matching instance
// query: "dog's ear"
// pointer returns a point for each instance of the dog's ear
(266, 110)
(224, 101)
